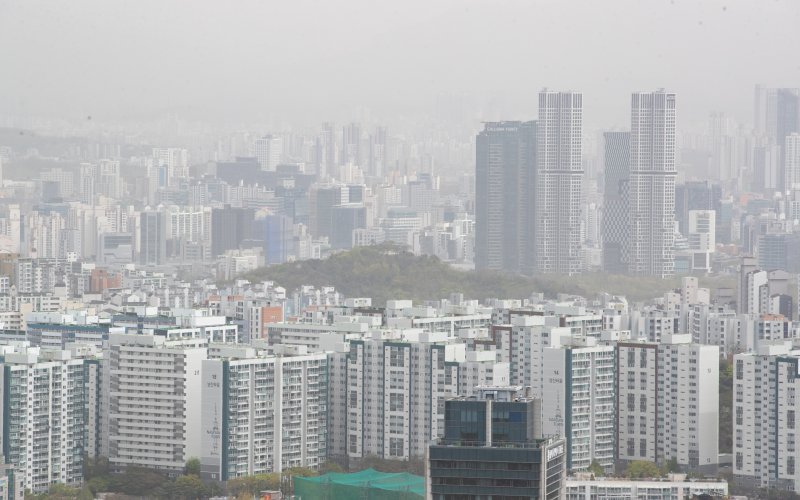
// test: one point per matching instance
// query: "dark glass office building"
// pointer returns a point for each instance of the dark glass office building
(492, 449)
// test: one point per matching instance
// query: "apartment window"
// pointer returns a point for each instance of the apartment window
(353, 443)
(739, 460)
(631, 359)
(739, 369)
(642, 403)
(643, 447)
(631, 402)
(643, 359)
(396, 402)
(790, 466)
(790, 419)
(396, 447)
(353, 399)
(739, 415)
(631, 447)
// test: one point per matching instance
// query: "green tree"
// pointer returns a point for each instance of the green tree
(86, 493)
(330, 466)
(597, 469)
(192, 467)
(640, 469)
(671, 466)
(187, 487)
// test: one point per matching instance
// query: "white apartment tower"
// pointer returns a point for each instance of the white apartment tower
(578, 389)
(559, 182)
(262, 414)
(651, 195)
(49, 416)
(765, 410)
(152, 390)
(268, 150)
(667, 403)
(387, 397)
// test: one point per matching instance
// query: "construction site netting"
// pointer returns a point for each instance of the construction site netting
(367, 484)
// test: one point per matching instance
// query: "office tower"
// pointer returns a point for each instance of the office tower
(615, 202)
(377, 153)
(791, 162)
(787, 114)
(387, 397)
(559, 182)
(268, 150)
(323, 199)
(505, 171)
(668, 403)
(578, 390)
(779, 251)
(64, 179)
(262, 414)
(152, 391)
(400, 225)
(765, 411)
(109, 179)
(327, 141)
(152, 238)
(351, 145)
(275, 230)
(493, 448)
(345, 219)
(175, 161)
(229, 228)
(652, 184)
(702, 238)
(49, 414)
(695, 195)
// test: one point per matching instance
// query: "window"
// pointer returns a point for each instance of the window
(739, 369)
(739, 460)
(631, 402)
(643, 403)
(396, 447)
(643, 447)
(790, 419)
(643, 358)
(790, 465)
(631, 359)
(396, 402)
(353, 399)
(739, 415)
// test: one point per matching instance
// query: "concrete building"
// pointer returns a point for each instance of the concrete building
(615, 202)
(505, 174)
(651, 198)
(668, 403)
(765, 409)
(676, 487)
(578, 390)
(50, 414)
(152, 392)
(387, 396)
(262, 414)
(559, 182)
(493, 447)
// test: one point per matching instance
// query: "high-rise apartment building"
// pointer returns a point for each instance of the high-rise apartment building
(50, 414)
(504, 197)
(615, 202)
(578, 389)
(262, 414)
(229, 227)
(651, 250)
(387, 397)
(152, 391)
(765, 410)
(668, 403)
(559, 182)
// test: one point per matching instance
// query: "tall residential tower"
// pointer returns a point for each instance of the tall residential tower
(559, 182)
(651, 199)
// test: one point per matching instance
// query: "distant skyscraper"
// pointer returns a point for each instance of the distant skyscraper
(651, 249)
(615, 217)
(153, 238)
(504, 192)
(377, 153)
(559, 182)
(268, 150)
(791, 162)
(351, 145)
(229, 227)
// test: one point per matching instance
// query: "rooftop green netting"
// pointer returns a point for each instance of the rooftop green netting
(367, 484)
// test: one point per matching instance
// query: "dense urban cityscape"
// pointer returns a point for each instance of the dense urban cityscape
(459, 305)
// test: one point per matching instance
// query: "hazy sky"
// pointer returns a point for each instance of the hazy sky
(320, 59)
